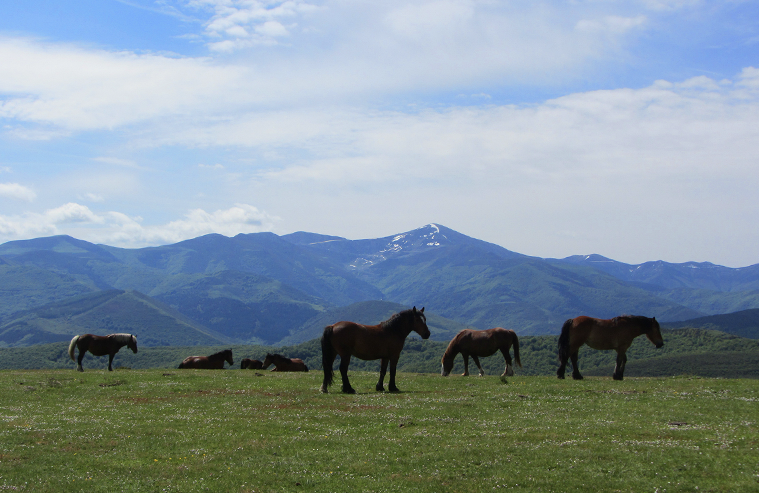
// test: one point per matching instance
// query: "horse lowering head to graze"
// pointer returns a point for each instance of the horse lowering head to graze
(481, 343)
(284, 364)
(368, 342)
(213, 362)
(616, 333)
(251, 364)
(100, 346)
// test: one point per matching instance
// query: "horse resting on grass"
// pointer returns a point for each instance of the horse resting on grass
(616, 333)
(476, 343)
(251, 364)
(283, 364)
(213, 362)
(368, 342)
(100, 346)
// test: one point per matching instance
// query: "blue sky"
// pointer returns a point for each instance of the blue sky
(624, 128)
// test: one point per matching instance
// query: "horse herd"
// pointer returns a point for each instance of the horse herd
(385, 342)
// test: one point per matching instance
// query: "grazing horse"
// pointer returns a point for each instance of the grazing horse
(251, 364)
(100, 346)
(283, 364)
(616, 333)
(213, 362)
(476, 343)
(368, 342)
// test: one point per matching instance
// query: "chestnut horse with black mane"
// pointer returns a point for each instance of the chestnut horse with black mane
(284, 364)
(100, 346)
(616, 333)
(368, 342)
(476, 343)
(251, 364)
(213, 362)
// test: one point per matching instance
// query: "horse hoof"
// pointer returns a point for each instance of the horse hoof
(349, 390)
(394, 390)
(617, 377)
(379, 389)
(577, 377)
(323, 389)
(560, 377)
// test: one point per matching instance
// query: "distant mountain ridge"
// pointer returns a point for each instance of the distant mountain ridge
(263, 288)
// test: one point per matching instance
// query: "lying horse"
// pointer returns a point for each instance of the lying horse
(616, 333)
(251, 364)
(384, 342)
(476, 343)
(283, 364)
(100, 346)
(213, 362)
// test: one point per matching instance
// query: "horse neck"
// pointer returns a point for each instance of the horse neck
(121, 339)
(452, 350)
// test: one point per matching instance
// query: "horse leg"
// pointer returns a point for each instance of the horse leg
(575, 367)
(391, 385)
(383, 369)
(327, 361)
(562, 366)
(477, 362)
(509, 370)
(110, 361)
(79, 360)
(619, 369)
(344, 362)
(466, 365)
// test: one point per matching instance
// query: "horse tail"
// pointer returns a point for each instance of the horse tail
(564, 340)
(328, 355)
(72, 345)
(516, 350)
(181, 365)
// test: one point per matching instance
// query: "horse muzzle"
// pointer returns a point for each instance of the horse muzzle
(659, 345)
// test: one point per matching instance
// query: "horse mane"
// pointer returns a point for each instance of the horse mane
(125, 338)
(646, 321)
(220, 353)
(274, 355)
(397, 321)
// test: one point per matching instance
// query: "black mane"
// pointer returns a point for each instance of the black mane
(400, 321)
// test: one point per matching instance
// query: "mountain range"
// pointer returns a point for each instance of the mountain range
(263, 288)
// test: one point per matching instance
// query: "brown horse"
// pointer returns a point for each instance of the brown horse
(100, 346)
(213, 362)
(284, 364)
(476, 343)
(368, 342)
(251, 364)
(616, 333)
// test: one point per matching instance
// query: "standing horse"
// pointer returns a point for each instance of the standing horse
(476, 343)
(251, 364)
(284, 364)
(368, 342)
(213, 362)
(100, 346)
(616, 333)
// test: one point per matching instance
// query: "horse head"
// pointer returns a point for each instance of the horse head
(446, 364)
(132, 344)
(420, 323)
(654, 334)
(228, 357)
(268, 360)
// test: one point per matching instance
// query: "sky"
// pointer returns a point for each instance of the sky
(628, 128)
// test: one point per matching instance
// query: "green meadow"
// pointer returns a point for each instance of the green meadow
(257, 431)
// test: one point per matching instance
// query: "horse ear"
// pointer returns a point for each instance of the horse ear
(422, 310)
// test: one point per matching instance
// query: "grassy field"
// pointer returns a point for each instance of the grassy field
(245, 431)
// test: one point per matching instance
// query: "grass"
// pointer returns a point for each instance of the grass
(245, 431)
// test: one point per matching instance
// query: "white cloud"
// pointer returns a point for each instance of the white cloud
(16, 191)
(119, 229)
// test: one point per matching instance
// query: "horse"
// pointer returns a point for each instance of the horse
(213, 362)
(100, 346)
(369, 342)
(476, 343)
(616, 333)
(283, 364)
(251, 364)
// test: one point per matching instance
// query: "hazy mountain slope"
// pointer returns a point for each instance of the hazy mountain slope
(744, 323)
(244, 307)
(106, 312)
